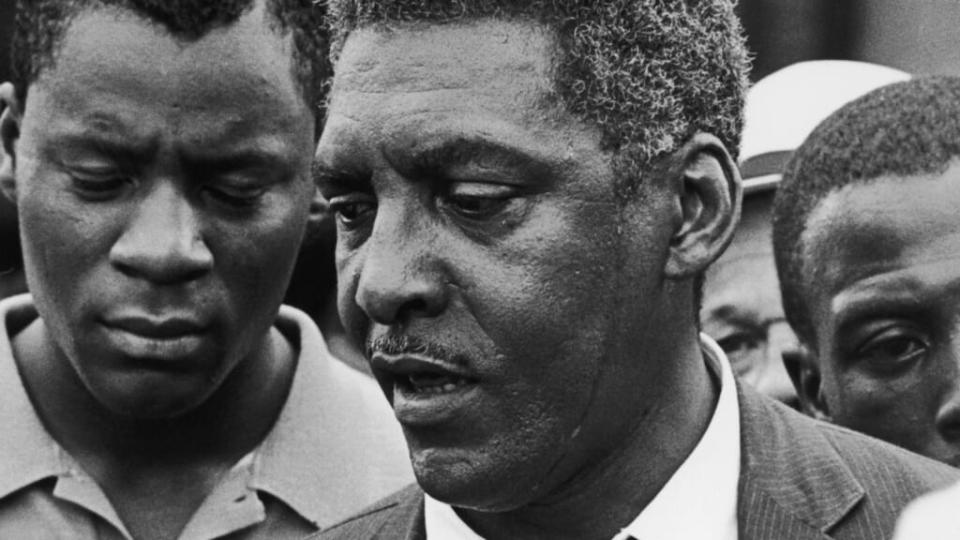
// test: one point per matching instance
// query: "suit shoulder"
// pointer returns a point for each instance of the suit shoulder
(403, 506)
(885, 467)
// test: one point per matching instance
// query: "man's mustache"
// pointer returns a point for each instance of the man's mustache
(397, 344)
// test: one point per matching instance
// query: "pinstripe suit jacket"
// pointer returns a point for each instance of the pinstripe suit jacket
(800, 479)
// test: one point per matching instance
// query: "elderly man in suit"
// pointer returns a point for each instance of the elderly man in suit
(527, 195)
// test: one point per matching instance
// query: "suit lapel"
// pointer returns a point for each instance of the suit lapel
(406, 519)
(793, 484)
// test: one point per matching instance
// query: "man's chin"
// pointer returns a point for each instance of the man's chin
(146, 406)
(472, 489)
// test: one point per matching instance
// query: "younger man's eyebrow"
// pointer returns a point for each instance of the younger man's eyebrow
(124, 149)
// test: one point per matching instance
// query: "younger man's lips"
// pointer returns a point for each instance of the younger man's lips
(156, 328)
(166, 340)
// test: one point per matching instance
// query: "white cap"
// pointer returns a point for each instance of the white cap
(785, 106)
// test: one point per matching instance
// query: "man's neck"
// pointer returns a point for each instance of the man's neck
(610, 492)
(224, 428)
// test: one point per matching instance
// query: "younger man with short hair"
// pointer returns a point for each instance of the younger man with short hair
(867, 244)
(159, 156)
(741, 305)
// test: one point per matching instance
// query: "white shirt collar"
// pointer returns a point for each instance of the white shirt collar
(698, 502)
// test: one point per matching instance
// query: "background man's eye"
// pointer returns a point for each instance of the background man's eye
(745, 351)
(740, 343)
(892, 351)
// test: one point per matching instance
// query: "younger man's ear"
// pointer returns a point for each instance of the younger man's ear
(708, 205)
(10, 121)
(804, 371)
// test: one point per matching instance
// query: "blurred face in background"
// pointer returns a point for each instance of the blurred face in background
(741, 304)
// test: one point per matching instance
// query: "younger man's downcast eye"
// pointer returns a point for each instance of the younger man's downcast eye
(239, 193)
(98, 186)
(891, 350)
(242, 197)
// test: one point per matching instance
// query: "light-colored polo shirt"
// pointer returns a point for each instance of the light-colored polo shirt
(699, 502)
(334, 448)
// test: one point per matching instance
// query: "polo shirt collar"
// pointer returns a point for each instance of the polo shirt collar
(35, 456)
(314, 443)
(285, 464)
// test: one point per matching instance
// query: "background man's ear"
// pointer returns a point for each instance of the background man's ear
(709, 199)
(804, 371)
(10, 120)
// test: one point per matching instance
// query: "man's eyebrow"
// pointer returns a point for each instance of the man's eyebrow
(330, 176)
(897, 296)
(127, 149)
(464, 151)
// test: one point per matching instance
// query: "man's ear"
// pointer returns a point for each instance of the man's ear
(804, 370)
(10, 121)
(709, 196)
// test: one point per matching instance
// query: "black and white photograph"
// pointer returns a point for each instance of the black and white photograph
(480, 270)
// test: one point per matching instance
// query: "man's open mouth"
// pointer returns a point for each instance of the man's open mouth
(430, 383)
(415, 374)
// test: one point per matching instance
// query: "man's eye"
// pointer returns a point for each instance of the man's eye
(478, 199)
(239, 196)
(892, 350)
(352, 210)
(740, 343)
(98, 187)
(744, 349)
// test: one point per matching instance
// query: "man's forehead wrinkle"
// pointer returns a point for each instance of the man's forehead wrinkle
(443, 57)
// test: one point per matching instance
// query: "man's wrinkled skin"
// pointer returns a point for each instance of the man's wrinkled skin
(742, 308)
(163, 189)
(481, 233)
(885, 298)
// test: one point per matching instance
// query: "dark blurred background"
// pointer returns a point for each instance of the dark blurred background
(917, 36)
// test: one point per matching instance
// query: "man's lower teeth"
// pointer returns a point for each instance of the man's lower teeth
(448, 387)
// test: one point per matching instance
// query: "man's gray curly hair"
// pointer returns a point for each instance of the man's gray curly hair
(648, 73)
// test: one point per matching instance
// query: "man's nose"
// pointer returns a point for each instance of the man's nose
(947, 419)
(162, 240)
(400, 275)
